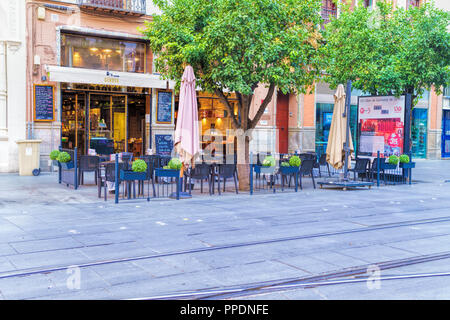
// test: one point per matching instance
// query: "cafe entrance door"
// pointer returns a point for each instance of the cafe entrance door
(107, 123)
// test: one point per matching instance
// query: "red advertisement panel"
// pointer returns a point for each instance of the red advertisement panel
(381, 123)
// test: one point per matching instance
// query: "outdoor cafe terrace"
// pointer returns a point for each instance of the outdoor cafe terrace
(94, 177)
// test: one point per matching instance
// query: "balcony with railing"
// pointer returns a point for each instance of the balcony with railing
(120, 7)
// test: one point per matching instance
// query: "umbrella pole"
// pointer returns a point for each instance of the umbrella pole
(347, 129)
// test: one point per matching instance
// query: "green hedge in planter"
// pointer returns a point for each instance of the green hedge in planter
(404, 158)
(54, 154)
(175, 164)
(295, 161)
(63, 157)
(139, 166)
(393, 160)
(269, 161)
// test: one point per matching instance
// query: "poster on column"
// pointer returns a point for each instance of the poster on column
(381, 122)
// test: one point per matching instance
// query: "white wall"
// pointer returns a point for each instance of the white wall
(12, 82)
(152, 9)
(443, 4)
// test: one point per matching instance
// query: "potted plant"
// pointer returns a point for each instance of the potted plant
(292, 166)
(65, 160)
(268, 166)
(391, 163)
(405, 162)
(54, 156)
(171, 170)
(138, 171)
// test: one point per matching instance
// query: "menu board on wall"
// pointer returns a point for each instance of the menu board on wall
(44, 102)
(164, 107)
(381, 121)
(164, 144)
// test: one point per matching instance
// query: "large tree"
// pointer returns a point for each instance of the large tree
(235, 46)
(389, 51)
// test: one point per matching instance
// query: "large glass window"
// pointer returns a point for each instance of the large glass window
(419, 133)
(324, 114)
(102, 53)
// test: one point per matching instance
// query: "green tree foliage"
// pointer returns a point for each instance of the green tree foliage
(235, 45)
(389, 51)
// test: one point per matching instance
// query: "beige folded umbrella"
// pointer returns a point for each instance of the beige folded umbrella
(336, 138)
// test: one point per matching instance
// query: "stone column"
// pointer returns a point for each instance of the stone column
(3, 92)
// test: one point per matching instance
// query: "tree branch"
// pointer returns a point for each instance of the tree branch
(225, 101)
(263, 106)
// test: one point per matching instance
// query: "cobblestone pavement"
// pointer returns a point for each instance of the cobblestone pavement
(60, 243)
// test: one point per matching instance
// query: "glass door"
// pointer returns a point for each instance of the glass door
(419, 133)
(73, 116)
(107, 123)
(445, 133)
(119, 124)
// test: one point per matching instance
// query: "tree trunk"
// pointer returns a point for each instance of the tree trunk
(243, 167)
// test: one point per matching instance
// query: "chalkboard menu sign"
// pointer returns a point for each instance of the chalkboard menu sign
(44, 102)
(164, 144)
(164, 107)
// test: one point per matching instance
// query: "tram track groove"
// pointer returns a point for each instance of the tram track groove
(31, 271)
(325, 279)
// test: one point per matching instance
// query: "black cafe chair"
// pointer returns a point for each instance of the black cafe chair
(88, 164)
(227, 171)
(201, 171)
(110, 176)
(306, 168)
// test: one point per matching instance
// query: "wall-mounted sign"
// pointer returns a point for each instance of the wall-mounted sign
(164, 144)
(44, 102)
(381, 121)
(103, 77)
(164, 107)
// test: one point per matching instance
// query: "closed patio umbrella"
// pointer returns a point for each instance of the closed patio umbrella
(336, 139)
(186, 133)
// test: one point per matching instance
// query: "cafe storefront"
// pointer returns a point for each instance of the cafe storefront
(215, 125)
(105, 94)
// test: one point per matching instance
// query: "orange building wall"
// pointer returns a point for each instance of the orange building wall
(41, 36)
(308, 110)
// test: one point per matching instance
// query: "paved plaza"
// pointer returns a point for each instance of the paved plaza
(60, 243)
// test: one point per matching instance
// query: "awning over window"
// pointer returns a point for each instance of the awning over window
(91, 76)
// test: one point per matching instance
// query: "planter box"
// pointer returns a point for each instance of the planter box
(289, 170)
(129, 175)
(408, 165)
(388, 166)
(171, 173)
(265, 170)
(67, 165)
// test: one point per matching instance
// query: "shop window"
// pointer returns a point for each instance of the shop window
(419, 133)
(328, 10)
(447, 92)
(215, 125)
(413, 3)
(324, 114)
(368, 3)
(102, 53)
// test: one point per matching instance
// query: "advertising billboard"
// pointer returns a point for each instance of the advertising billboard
(381, 123)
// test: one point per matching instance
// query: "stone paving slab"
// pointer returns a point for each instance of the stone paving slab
(43, 224)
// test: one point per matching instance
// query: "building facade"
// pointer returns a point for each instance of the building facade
(12, 82)
(78, 73)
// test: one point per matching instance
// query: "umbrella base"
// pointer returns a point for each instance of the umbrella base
(183, 195)
(345, 184)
